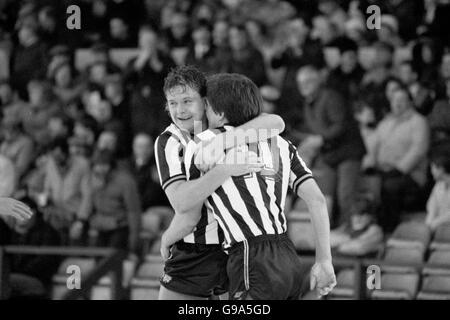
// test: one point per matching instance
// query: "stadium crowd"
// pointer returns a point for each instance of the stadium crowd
(368, 108)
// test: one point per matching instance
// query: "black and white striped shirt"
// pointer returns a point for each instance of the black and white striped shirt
(253, 205)
(169, 154)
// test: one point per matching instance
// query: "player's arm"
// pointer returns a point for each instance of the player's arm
(262, 128)
(12, 208)
(180, 226)
(301, 182)
(265, 126)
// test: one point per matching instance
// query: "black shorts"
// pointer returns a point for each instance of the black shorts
(265, 268)
(197, 270)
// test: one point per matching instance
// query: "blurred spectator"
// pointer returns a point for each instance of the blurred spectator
(112, 204)
(120, 34)
(220, 34)
(179, 37)
(334, 138)
(48, 26)
(363, 236)
(426, 55)
(388, 32)
(100, 109)
(31, 275)
(202, 53)
(143, 167)
(422, 96)
(63, 187)
(324, 30)
(346, 78)
(6, 48)
(65, 87)
(373, 82)
(60, 127)
(42, 106)
(146, 74)
(29, 60)
(439, 121)
(399, 155)
(298, 51)
(10, 103)
(243, 57)
(17, 146)
(85, 132)
(438, 206)
(120, 100)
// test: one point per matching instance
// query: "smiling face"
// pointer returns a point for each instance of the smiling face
(186, 107)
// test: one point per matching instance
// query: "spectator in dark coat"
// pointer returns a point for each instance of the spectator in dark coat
(29, 59)
(335, 138)
(243, 57)
(30, 274)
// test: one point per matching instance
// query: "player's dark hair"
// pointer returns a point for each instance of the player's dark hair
(186, 76)
(236, 96)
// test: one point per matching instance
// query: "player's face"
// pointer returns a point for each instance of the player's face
(186, 108)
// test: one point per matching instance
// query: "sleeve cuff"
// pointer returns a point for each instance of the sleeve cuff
(172, 180)
(299, 181)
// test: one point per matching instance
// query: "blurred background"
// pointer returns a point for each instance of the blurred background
(80, 110)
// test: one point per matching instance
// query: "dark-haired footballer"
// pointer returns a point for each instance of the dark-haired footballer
(196, 268)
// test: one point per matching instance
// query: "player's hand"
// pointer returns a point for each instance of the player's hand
(239, 161)
(16, 209)
(166, 249)
(208, 154)
(323, 278)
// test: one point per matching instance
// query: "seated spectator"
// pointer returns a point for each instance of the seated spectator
(17, 146)
(146, 73)
(85, 132)
(48, 23)
(422, 96)
(31, 275)
(363, 236)
(300, 50)
(346, 78)
(100, 108)
(112, 204)
(30, 57)
(438, 206)
(65, 85)
(63, 188)
(60, 126)
(157, 212)
(179, 37)
(120, 35)
(243, 57)
(373, 82)
(388, 31)
(399, 156)
(42, 106)
(6, 48)
(10, 103)
(439, 121)
(220, 34)
(120, 100)
(202, 53)
(334, 137)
